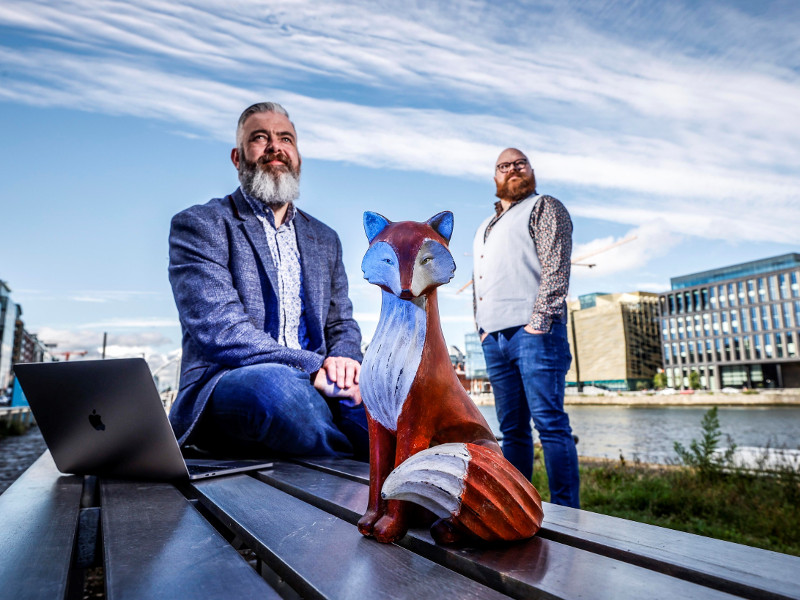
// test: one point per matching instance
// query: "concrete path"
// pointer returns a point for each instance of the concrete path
(17, 453)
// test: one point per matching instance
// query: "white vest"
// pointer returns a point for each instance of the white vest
(507, 270)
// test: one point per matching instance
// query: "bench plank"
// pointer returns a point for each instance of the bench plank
(157, 545)
(320, 555)
(40, 518)
(735, 568)
(533, 568)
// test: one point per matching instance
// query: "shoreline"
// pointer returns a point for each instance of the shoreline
(765, 398)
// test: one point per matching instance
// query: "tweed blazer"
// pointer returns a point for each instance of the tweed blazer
(225, 286)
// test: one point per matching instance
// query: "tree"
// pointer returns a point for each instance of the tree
(694, 380)
(660, 380)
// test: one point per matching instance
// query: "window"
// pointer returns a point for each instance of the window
(704, 294)
(736, 350)
(746, 347)
(740, 291)
(791, 349)
(666, 353)
(672, 305)
(754, 317)
(773, 287)
(687, 301)
(783, 283)
(696, 300)
(673, 330)
(764, 318)
(776, 317)
(665, 329)
(674, 354)
(762, 291)
(697, 330)
(712, 292)
(679, 299)
(709, 356)
(680, 328)
(778, 345)
(797, 312)
(727, 345)
(691, 352)
(715, 323)
(745, 326)
(725, 322)
(735, 321)
(751, 291)
(718, 349)
(731, 294)
(706, 324)
(795, 286)
(723, 298)
(683, 352)
(700, 351)
(757, 346)
(767, 345)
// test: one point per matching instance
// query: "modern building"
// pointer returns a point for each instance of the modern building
(736, 326)
(614, 341)
(475, 364)
(8, 320)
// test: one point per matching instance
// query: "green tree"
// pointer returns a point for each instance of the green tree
(660, 380)
(694, 380)
(703, 454)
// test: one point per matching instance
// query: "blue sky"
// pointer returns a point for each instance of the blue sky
(674, 122)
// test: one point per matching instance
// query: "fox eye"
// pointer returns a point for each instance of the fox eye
(388, 261)
(426, 260)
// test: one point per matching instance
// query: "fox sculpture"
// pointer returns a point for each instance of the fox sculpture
(429, 444)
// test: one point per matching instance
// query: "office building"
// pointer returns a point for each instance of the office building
(735, 326)
(614, 341)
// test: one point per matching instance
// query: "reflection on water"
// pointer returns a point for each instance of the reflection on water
(649, 433)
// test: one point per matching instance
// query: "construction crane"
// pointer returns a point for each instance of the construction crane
(67, 353)
(576, 262)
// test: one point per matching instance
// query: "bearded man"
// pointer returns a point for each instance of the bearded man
(521, 276)
(270, 349)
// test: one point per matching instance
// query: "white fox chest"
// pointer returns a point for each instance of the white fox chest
(392, 359)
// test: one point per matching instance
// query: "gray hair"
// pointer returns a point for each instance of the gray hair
(259, 107)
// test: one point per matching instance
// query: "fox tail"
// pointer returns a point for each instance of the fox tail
(471, 487)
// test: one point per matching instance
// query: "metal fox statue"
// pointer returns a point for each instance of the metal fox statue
(422, 423)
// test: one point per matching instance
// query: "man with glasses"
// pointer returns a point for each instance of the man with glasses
(521, 275)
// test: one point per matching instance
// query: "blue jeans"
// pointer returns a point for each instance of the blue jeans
(272, 409)
(528, 372)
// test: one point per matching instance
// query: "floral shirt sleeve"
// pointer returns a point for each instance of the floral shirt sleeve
(551, 230)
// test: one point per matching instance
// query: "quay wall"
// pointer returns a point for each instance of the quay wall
(761, 398)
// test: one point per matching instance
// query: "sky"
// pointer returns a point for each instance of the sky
(675, 124)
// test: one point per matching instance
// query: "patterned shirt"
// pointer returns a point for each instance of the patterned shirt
(282, 243)
(551, 230)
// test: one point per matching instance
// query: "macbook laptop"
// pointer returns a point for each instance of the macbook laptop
(105, 417)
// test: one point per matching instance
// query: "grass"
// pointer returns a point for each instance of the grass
(708, 496)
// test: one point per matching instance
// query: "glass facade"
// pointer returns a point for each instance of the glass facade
(734, 326)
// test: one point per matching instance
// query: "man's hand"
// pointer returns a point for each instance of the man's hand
(338, 378)
(530, 329)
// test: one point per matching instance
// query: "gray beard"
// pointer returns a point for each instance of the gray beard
(273, 189)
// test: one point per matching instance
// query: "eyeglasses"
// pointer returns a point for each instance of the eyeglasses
(517, 165)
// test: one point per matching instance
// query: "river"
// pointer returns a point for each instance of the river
(650, 433)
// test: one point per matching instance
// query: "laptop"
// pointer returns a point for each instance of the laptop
(105, 417)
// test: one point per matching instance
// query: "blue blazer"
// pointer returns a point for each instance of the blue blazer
(225, 287)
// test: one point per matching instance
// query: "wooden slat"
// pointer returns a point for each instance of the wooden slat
(522, 570)
(157, 545)
(735, 568)
(39, 515)
(320, 555)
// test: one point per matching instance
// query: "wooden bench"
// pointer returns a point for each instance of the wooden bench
(156, 540)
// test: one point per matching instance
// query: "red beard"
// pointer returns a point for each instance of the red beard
(516, 189)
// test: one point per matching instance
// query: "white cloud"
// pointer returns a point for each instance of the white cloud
(648, 129)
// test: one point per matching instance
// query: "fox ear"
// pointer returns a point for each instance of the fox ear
(374, 224)
(442, 224)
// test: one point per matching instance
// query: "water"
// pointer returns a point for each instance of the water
(649, 433)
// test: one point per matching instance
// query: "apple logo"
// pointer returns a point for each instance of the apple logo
(96, 421)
